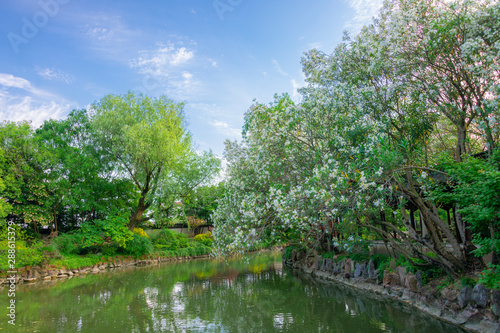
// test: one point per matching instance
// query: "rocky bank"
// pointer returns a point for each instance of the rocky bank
(475, 309)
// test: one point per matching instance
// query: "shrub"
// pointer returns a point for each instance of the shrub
(182, 240)
(138, 246)
(166, 239)
(490, 277)
(140, 232)
(206, 238)
(68, 243)
(28, 251)
(467, 282)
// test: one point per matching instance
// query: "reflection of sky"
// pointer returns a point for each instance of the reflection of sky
(280, 320)
(177, 307)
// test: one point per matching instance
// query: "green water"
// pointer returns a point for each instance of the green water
(206, 296)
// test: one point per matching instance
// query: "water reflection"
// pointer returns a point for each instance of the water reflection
(205, 296)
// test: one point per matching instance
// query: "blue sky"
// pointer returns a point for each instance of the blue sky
(216, 55)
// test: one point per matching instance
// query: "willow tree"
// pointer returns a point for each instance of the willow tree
(147, 138)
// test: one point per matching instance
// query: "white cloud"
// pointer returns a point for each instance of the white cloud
(181, 56)
(108, 35)
(364, 10)
(187, 76)
(106, 28)
(278, 69)
(225, 129)
(162, 61)
(10, 81)
(166, 67)
(19, 100)
(53, 74)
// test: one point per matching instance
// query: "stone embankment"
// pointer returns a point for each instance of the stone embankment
(35, 274)
(475, 308)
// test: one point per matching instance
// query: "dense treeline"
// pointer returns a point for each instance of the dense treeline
(126, 161)
(395, 138)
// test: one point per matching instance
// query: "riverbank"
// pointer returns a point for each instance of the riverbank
(37, 274)
(474, 309)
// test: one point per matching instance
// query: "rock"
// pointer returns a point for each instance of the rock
(464, 297)
(30, 279)
(47, 278)
(360, 271)
(334, 267)
(411, 283)
(327, 266)
(377, 274)
(480, 295)
(318, 263)
(337, 269)
(449, 294)
(401, 272)
(371, 270)
(466, 315)
(392, 265)
(61, 276)
(495, 302)
(390, 279)
(347, 266)
(419, 278)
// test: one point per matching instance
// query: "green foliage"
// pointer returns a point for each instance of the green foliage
(447, 282)
(476, 188)
(147, 138)
(203, 202)
(74, 261)
(68, 243)
(166, 239)
(467, 282)
(364, 140)
(182, 240)
(205, 238)
(112, 230)
(354, 244)
(138, 246)
(328, 255)
(380, 259)
(28, 251)
(490, 277)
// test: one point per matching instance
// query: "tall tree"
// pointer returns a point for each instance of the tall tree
(146, 137)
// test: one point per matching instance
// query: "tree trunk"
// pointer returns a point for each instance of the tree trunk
(461, 139)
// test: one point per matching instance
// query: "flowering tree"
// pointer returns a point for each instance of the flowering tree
(362, 146)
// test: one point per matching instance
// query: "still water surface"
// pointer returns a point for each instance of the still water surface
(254, 295)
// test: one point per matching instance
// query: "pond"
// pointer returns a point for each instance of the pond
(241, 295)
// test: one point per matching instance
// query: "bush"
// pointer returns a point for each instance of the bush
(28, 251)
(114, 229)
(166, 239)
(206, 238)
(182, 240)
(490, 277)
(68, 243)
(140, 232)
(138, 246)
